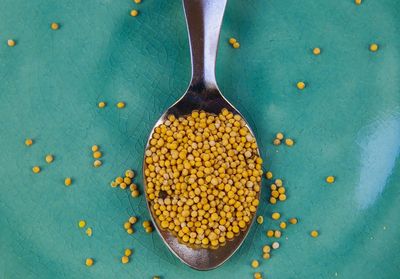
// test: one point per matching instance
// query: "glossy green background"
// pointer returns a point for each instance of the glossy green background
(345, 123)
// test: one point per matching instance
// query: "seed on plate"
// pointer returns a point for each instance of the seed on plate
(232, 41)
(11, 43)
(277, 234)
(128, 252)
(293, 221)
(330, 179)
(97, 163)
(67, 181)
(276, 142)
(36, 169)
(49, 158)
(28, 142)
(275, 245)
(89, 262)
(81, 224)
(127, 225)
(266, 256)
(89, 232)
(301, 85)
(149, 229)
(255, 264)
(95, 148)
(282, 197)
(121, 105)
(373, 47)
(134, 12)
(101, 104)
(125, 259)
(289, 142)
(146, 224)
(137, 1)
(316, 51)
(97, 154)
(358, 2)
(130, 231)
(272, 200)
(279, 136)
(276, 215)
(269, 175)
(314, 233)
(282, 225)
(133, 220)
(260, 219)
(119, 180)
(236, 45)
(278, 182)
(270, 233)
(266, 249)
(257, 275)
(54, 26)
(133, 187)
(129, 173)
(135, 193)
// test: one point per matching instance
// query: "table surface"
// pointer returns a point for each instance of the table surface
(346, 123)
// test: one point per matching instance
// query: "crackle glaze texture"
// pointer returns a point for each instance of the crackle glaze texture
(346, 123)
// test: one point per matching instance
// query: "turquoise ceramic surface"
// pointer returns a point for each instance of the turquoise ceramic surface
(345, 123)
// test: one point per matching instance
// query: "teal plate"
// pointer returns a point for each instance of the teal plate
(346, 123)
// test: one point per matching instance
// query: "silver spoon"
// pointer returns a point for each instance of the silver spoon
(203, 18)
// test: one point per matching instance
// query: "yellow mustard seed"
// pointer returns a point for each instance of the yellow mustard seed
(101, 104)
(128, 252)
(113, 184)
(255, 264)
(373, 47)
(146, 224)
(97, 154)
(277, 142)
(95, 148)
(257, 275)
(278, 182)
(123, 185)
(127, 180)
(277, 234)
(273, 187)
(232, 41)
(135, 193)
(276, 215)
(121, 105)
(236, 45)
(314, 233)
(11, 43)
(28, 142)
(97, 163)
(156, 277)
(119, 180)
(132, 220)
(289, 142)
(89, 262)
(89, 232)
(282, 197)
(293, 221)
(266, 256)
(282, 225)
(127, 225)
(134, 12)
(301, 85)
(125, 259)
(269, 175)
(279, 136)
(36, 169)
(272, 200)
(149, 229)
(54, 26)
(133, 187)
(137, 1)
(266, 249)
(67, 181)
(81, 224)
(260, 220)
(270, 233)
(358, 2)
(330, 179)
(316, 51)
(130, 231)
(49, 158)
(129, 173)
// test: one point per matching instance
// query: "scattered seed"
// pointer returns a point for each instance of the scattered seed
(275, 245)
(97, 163)
(36, 169)
(282, 225)
(54, 26)
(67, 181)
(89, 262)
(236, 45)
(28, 142)
(125, 259)
(255, 264)
(373, 47)
(81, 224)
(301, 85)
(330, 179)
(49, 158)
(128, 252)
(276, 215)
(314, 233)
(97, 154)
(134, 13)
(260, 220)
(289, 142)
(11, 43)
(293, 221)
(132, 220)
(316, 51)
(89, 232)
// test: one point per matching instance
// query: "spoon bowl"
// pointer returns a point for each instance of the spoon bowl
(203, 18)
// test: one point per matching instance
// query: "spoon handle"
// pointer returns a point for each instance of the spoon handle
(204, 19)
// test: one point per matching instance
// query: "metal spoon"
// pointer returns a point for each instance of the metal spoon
(203, 18)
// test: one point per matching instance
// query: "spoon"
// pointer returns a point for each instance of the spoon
(203, 19)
